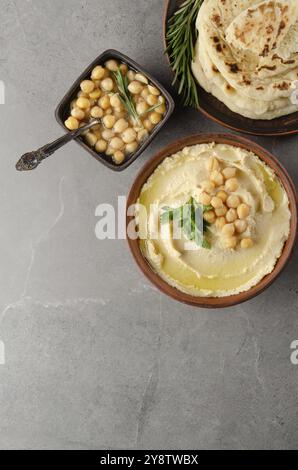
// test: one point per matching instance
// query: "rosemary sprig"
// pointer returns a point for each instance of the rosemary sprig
(127, 99)
(125, 95)
(181, 37)
(150, 109)
(190, 218)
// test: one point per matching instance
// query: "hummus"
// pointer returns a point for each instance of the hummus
(219, 270)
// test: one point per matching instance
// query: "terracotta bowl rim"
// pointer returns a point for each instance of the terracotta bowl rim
(264, 155)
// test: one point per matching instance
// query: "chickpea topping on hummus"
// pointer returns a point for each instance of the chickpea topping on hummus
(230, 211)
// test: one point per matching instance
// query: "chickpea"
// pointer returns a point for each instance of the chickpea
(246, 243)
(161, 109)
(216, 202)
(135, 87)
(72, 123)
(115, 101)
(137, 127)
(243, 211)
(92, 102)
(217, 178)
(109, 121)
(87, 114)
(104, 102)
(221, 211)
(97, 132)
(231, 184)
(120, 125)
(91, 139)
(98, 73)
(205, 199)
(155, 118)
(120, 107)
(233, 202)
(152, 100)
(123, 68)
(110, 151)
(209, 216)
(208, 186)
(142, 107)
(117, 143)
(83, 103)
(119, 114)
(145, 92)
(131, 75)
(153, 90)
(228, 230)
(107, 84)
(141, 78)
(87, 86)
(229, 172)
(95, 95)
(142, 135)
(222, 195)
(131, 148)
(118, 157)
(82, 94)
(220, 222)
(148, 125)
(101, 146)
(112, 65)
(213, 164)
(161, 99)
(231, 242)
(108, 111)
(231, 215)
(96, 112)
(129, 135)
(240, 225)
(97, 83)
(78, 114)
(107, 134)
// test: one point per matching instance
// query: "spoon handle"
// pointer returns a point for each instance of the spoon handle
(31, 160)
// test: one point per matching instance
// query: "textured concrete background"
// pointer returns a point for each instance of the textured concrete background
(95, 356)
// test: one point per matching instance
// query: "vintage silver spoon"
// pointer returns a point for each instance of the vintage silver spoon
(31, 160)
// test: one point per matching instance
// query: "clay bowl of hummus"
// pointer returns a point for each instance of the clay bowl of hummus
(212, 220)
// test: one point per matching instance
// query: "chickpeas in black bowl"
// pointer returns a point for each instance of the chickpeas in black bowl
(130, 105)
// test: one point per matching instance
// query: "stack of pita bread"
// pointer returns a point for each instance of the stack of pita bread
(247, 55)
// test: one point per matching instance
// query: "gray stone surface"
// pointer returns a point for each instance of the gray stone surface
(95, 356)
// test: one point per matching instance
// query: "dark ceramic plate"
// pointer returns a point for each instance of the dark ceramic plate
(218, 112)
(62, 111)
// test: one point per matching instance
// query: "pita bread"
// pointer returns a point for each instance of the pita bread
(238, 103)
(209, 77)
(261, 28)
(253, 76)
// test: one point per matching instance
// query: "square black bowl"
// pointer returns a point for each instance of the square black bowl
(63, 109)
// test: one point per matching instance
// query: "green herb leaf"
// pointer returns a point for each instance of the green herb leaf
(125, 95)
(181, 37)
(189, 217)
(207, 208)
(166, 217)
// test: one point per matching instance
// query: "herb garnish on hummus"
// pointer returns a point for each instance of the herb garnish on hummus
(190, 218)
